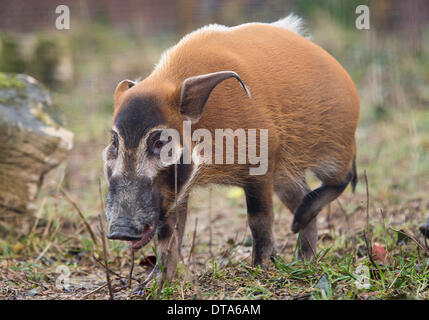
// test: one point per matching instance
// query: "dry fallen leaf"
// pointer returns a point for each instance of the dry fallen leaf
(148, 261)
(379, 254)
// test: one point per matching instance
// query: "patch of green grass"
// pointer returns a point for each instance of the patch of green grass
(10, 82)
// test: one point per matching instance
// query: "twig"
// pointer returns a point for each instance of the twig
(426, 238)
(346, 216)
(130, 275)
(229, 250)
(101, 195)
(110, 270)
(397, 276)
(48, 226)
(43, 253)
(36, 222)
(210, 224)
(193, 240)
(282, 250)
(311, 247)
(94, 291)
(329, 217)
(367, 199)
(74, 205)
(301, 296)
(412, 238)
(368, 242)
(103, 240)
(48, 246)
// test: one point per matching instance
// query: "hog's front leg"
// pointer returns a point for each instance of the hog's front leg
(169, 243)
(424, 228)
(260, 218)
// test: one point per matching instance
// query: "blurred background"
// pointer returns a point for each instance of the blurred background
(114, 40)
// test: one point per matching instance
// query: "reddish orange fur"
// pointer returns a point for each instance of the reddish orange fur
(300, 93)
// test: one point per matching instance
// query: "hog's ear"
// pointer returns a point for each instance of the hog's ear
(196, 90)
(123, 86)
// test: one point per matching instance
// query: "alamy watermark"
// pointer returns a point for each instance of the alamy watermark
(251, 147)
(63, 19)
(362, 21)
(362, 277)
(66, 281)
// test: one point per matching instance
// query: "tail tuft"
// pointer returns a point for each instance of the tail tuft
(293, 23)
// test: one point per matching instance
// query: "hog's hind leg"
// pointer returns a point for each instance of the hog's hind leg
(333, 185)
(292, 194)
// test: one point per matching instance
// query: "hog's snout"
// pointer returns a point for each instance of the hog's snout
(123, 233)
(132, 210)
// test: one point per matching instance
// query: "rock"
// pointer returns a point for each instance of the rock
(32, 141)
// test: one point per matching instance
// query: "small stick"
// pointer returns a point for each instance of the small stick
(210, 224)
(110, 270)
(94, 291)
(426, 238)
(344, 213)
(130, 275)
(366, 231)
(50, 243)
(193, 240)
(101, 195)
(42, 206)
(229, 250)
(74, 205)
(109, 284)
(43, 252)
(367, 198)
(412, 238)
(311, 247)
(48, 226)
(282, 250)
(329, 217)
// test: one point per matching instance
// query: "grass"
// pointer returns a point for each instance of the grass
(392, 140)
(29, 264)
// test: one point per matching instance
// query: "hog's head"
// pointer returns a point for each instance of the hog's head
(141, 183)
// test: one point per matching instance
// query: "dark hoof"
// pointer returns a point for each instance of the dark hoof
(155, 274)
(296, 227)
(141, 288)
(139, 291)
(302, 218)
(424, 229)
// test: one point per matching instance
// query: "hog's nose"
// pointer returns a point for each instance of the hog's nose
(123, 234)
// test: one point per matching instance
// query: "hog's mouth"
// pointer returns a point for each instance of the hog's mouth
(146, 235)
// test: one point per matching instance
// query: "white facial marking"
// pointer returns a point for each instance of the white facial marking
(149, 167)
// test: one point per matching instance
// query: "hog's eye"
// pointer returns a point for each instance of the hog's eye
(155, 144)
(114, 143)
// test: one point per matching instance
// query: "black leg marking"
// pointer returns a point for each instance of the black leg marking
(260, 217)
(314, 201)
